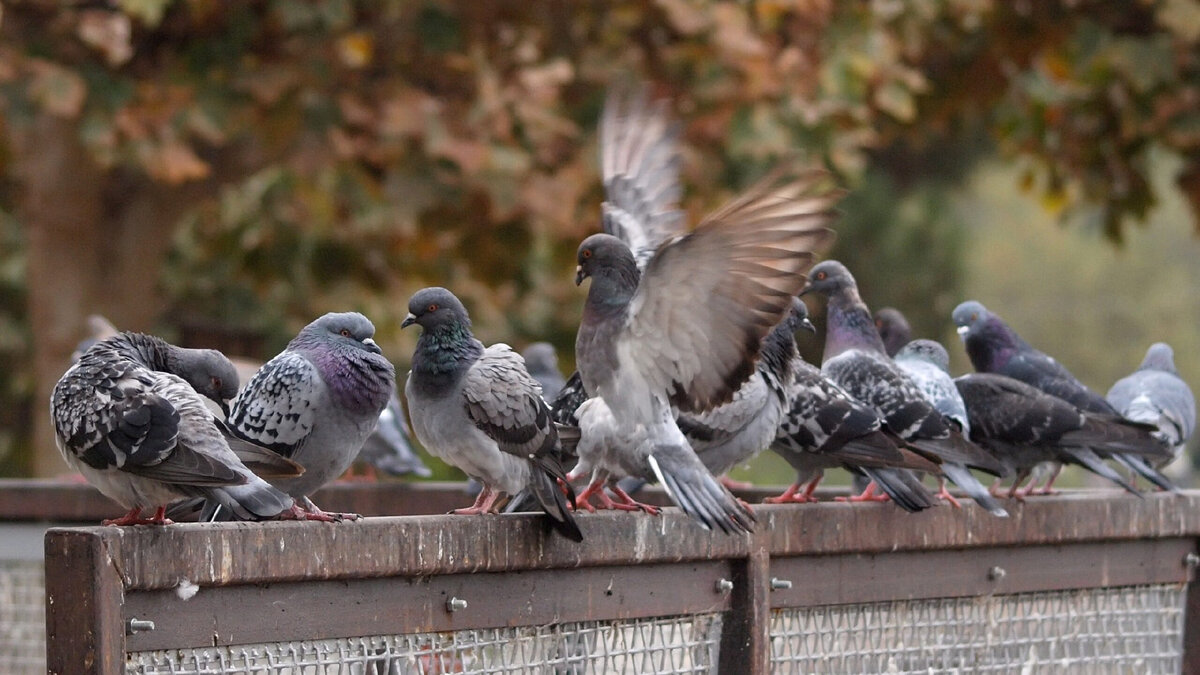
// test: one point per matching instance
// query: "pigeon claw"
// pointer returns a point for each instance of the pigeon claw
(134, 517)
(868, 495)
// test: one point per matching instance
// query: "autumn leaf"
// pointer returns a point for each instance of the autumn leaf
(108, 33)
(58, 90)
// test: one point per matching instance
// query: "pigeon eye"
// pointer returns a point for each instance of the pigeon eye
(345, 332)
(432, 308)
(587, 253)
(820, 276)
(216, 383)
(974, 317)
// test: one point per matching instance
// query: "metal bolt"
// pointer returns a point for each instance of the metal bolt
(780, 584)
(997, 573)
(724, 585)
(455, 604)
(1191, 560)
(138, 626)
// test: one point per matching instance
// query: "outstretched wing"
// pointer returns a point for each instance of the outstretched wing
(707, 299)
(276, 407)
(639, 162)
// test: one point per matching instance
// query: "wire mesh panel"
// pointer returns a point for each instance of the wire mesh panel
(22, 617)
(1134, 629)
(685, 644)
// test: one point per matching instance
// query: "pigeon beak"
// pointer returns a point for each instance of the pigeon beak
(962, 331)
(580, 275)
(808, 325)
(808, 288)
(371, 346)
(408, 320)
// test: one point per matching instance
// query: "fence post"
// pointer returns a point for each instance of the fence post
(744, 640)
(1191, 620)
(89, 638)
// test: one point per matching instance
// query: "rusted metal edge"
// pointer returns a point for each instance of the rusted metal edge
(294, 611)
(84, 631)
(908, 575)
(745, 635)
(238, 553)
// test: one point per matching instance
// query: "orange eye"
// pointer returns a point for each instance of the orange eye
(820, 276)
(587, 253)
(432, 308)
(216, 383)
(974, 317)
(345, 332)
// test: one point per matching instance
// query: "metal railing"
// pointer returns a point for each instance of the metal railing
(1088, 582)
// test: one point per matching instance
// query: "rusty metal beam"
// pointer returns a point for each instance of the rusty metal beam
(84, 630)
(745, 635)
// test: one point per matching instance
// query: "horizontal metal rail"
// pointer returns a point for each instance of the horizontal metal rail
(415, 574)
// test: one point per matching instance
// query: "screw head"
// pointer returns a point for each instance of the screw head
(135, 625)
(1191, 560)
(724, 585)
(996, 573)
(455, 604)
(780, 584)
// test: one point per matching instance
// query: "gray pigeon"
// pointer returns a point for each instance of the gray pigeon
(480, 410)
(316, 403)
(687, 330)
(1155, 394)
(994, 347)
(541, 360)
(130, 416)
(856, 360)
(928, 364)
(1024, 426)
(893, 329)
(389, 448)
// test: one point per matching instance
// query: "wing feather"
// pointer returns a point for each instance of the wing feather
(276, 408)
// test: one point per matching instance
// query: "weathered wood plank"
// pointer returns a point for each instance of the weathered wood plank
(84, 630)
(233, 553)
(745, 636)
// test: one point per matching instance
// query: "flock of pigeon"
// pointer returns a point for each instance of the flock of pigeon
(687, 366)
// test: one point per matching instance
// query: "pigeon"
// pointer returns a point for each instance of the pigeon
(826, 428)
(685, 331)
(1024, 426)
(389, 448)
(1155, 394)
(927, 363)
(893, 329)
(541, 360)
(737, 431)
(316, 402)
(480, 410)
(855, 359)
(130, 416)
(994, 347)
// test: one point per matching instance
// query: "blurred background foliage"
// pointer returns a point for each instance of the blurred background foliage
(220, 173)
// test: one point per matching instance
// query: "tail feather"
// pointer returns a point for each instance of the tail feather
(254, 501)
(1107, 435)
(697, 493)
(904, 488)
(962, 477)
(958, 450)
(1092, 462)
(1139, 465)
(545, 488)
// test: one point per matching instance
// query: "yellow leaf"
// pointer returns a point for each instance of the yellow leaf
(356, 49)
(150, 12)
(174, 162)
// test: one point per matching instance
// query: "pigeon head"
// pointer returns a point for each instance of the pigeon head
(345, 329)
(928, 351)
(603, 255)
(435, 307)
(971, 317)
(893, 329)
(540, 357)
(829, 277)
(990, 342)
(798, 317)
(209, 372)
(1160, 356)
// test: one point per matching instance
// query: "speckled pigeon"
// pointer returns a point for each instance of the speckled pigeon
(541, 360)
(130, 416)
(893, 329)
(994, 347)
(826, 428)
(1024, 426)
(316, 402)
(389, 447)
(1155, 394)
(480, 410)
(856, 360)
(927, 363)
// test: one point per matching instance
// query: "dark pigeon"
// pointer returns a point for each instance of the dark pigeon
(856, 360)
(316, 402)
(131, 417)
(1024, 426)
(479, 409)
(1155, 394)
(893, 329)
(994, 347)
